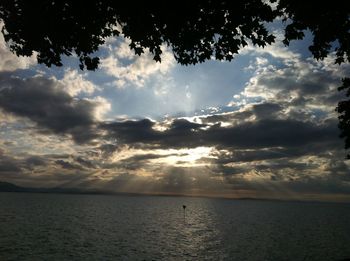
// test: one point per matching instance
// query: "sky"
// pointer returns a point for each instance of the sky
(261, 126)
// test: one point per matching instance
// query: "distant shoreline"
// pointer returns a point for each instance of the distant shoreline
(12, 188)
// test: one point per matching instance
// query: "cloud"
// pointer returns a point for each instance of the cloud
(277, 51)
(139, 161)
(128, 68)
(302, 85)
(8, 165)
(44, 102)
(12, 165)
(35, 161)
(292, 83)
(131, 131)
(68, 165)
(74, 82)
(266, 110)
(255, 134)
(293, 187)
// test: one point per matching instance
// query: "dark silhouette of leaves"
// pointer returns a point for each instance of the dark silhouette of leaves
(195, 30)
(344, 110)
(328, 21)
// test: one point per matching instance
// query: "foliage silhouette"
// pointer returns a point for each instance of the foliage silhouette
(344, 110)
(194, 30)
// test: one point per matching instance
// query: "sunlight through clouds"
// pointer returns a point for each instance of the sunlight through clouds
(262, 125)
(185, 157)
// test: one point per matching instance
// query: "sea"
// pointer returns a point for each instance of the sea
(37, 226)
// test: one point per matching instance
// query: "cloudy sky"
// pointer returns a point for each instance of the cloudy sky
(263, 125)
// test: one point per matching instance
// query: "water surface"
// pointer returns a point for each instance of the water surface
(102, 227)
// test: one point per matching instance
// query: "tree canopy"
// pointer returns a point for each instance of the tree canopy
(194, 30)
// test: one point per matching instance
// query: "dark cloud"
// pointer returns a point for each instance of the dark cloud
(237, 116)
(149, 156)
(68, 165)
(85, 163)
(266, 110)
(183, 125)
(35, 161)
(8, 164)
(300, 85)
(41, 170)
(289, 80)
(8, 143)
(258, 134)
(44, 102)
(249, 155)
(272, 133)
(142, 131)
(337, 168)
(108, 149)
(280, 165)
(132, 131)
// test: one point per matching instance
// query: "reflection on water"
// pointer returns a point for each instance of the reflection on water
(96, 227)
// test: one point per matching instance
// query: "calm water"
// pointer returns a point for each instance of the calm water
(100, 227)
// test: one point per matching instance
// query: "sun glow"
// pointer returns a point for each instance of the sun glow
(186, 157)
(172, 157)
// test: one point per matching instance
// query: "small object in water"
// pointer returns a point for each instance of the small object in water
(184, 207)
